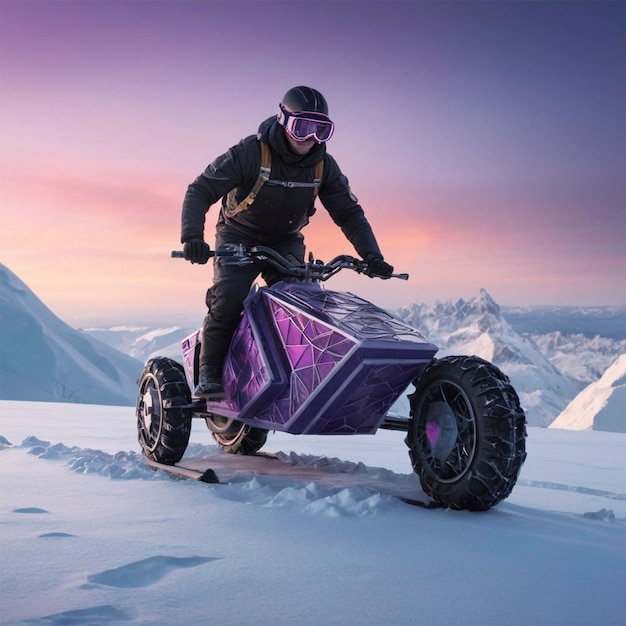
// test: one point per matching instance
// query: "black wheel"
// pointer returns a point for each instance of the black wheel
(163, 422)
(237, 438)
(466, 434)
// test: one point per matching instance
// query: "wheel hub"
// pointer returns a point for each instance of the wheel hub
(446, 431)
(441, 430)
(150, 401)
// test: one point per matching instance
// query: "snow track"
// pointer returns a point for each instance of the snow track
(315, 484)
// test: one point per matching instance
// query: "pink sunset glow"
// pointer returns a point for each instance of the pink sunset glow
(485, 141)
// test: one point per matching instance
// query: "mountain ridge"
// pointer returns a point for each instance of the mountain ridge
(42, 358)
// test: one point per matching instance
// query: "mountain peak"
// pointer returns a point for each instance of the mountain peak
(488, 302)
(476, 326)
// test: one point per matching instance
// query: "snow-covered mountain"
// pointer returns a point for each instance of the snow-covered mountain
(601, 405)
(141, 342)
(477, 326)
(44, 359)
(580, 358)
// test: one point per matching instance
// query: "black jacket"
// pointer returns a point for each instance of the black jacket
(279, 210)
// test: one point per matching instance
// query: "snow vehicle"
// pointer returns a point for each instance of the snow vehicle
(307, 360)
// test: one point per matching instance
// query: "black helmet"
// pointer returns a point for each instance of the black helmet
(305, 99)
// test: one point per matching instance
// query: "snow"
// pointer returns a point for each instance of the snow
(601, 405)
(91, 535)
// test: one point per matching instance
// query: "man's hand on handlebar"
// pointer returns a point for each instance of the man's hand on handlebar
(197, 251)
(377, 266)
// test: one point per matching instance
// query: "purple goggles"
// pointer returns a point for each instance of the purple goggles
(302, 125)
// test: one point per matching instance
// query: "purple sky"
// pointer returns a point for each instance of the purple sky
(485, 140)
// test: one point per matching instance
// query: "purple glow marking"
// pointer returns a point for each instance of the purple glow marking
(432, 432)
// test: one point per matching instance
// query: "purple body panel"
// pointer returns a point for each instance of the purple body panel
(308, 360)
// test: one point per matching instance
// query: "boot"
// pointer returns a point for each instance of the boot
(209, 382)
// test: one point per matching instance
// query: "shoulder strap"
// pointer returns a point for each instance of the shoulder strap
(317, 177)
(264, 176)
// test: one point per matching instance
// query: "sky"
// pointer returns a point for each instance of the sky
(485, 141)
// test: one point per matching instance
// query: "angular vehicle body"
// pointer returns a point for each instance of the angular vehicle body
(310, 361)
(307, 360)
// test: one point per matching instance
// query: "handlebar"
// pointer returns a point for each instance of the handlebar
(311, 271)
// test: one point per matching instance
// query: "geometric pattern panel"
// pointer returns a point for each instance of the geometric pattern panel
(360, 411)
(312, 349)
(245, 373)
(359, 318)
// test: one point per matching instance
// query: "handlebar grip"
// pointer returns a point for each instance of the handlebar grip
(178, 254)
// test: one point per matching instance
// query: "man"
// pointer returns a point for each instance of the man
(268, 206)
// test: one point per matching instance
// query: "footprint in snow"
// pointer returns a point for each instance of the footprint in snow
(146, 572)
(57, 534)
(30, 509)
(105, 614)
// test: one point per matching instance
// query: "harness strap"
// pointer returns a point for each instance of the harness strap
(317, 177)
(264, 176)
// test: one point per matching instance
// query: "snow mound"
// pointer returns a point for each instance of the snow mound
(121, 465)
(310, 498)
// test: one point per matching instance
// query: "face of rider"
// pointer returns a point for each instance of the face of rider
(301, 148)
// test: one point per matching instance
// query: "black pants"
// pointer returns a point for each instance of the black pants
(231, 285)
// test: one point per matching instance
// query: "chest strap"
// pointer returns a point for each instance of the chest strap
(264, 176)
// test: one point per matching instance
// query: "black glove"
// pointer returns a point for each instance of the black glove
(378, 266)
(197, 251)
